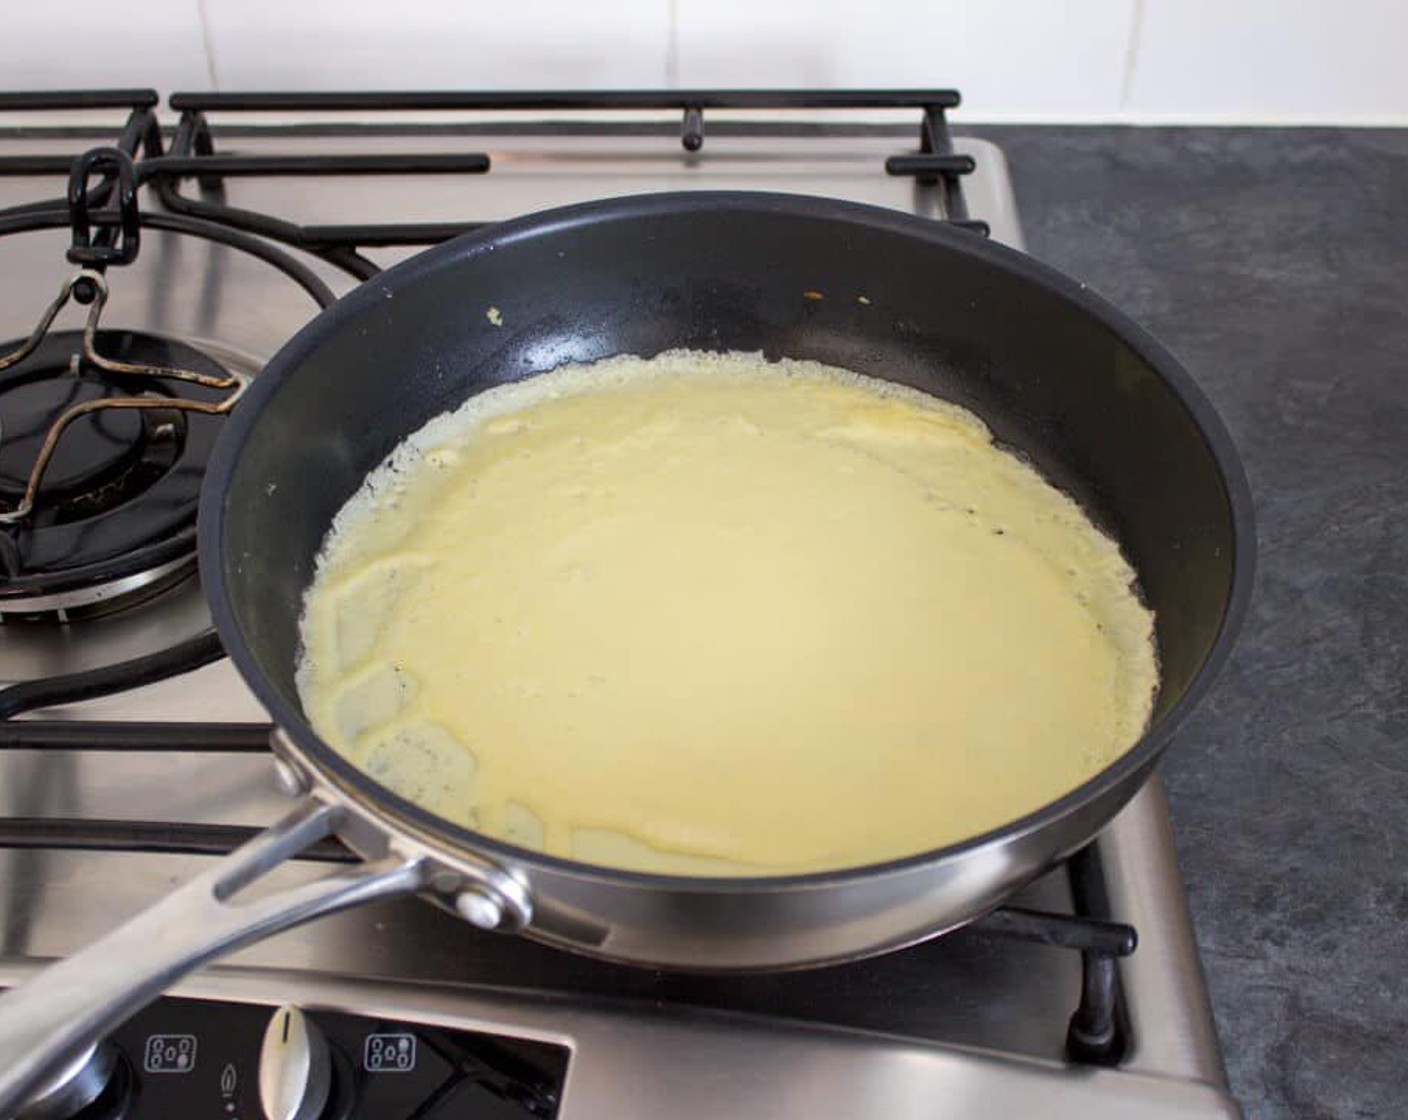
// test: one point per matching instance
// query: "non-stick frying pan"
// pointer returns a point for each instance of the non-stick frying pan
(1100, 407)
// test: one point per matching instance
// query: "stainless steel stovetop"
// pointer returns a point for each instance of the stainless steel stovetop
(964, 1026)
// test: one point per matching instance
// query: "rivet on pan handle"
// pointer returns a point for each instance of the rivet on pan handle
(473, 886)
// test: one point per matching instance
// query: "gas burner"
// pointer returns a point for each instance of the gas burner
(101, 465)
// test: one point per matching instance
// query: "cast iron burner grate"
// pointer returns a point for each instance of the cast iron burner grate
(194, 150)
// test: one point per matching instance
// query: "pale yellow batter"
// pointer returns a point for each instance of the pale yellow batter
(711, 615)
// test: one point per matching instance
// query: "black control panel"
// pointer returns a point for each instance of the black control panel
(200, 1060)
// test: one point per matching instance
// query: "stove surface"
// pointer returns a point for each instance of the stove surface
(966, 1024)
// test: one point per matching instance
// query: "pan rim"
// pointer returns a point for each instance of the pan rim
(395, 813)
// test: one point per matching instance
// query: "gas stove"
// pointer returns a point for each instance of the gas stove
(185, 245)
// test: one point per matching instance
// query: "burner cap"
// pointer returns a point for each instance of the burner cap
(116, 508)
(95, 448)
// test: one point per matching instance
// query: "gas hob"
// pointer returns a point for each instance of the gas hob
(110, 801)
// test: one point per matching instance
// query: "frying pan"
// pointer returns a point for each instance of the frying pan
(1058, 374)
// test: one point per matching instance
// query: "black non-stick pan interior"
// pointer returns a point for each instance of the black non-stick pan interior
(1089, 398)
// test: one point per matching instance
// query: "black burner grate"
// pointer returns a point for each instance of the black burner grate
(934, 164)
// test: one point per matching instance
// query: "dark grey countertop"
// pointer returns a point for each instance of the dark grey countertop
(1274, 262)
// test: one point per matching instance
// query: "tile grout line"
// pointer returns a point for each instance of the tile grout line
(208, 43)
(1131, 54)
(672, 45)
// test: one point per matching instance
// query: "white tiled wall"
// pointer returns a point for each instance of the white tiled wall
(438, 44)
(1016, 56)
(1279, 61)
(1272, 60)
(97, 42)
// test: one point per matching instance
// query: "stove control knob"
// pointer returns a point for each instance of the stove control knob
(295, 1067)
(74, 1087)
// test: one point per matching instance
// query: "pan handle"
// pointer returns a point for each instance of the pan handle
(49, 1022)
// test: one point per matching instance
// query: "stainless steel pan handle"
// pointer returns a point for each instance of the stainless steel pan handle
(48, 1022)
